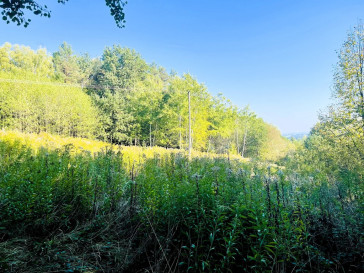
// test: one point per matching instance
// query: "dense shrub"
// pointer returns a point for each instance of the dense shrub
(105, 212)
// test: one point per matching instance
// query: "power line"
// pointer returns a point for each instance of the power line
(38, 82)
(89, 86)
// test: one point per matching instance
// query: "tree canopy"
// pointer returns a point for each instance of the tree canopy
(335, 145)
(15, 10)
(127, 101)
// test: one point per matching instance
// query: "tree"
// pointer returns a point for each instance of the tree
(121, 69)
(177, 111)
(343, 124)
(123, 100)
(336, 143)
(114, 84)
(35, 107)
(30, 101)
(223, 127)
(14, 10)
(115, 121)
(146, 104)
(65, 64)
(349, 78)
(23, 62)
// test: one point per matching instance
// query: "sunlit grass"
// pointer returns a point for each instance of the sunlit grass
(86, 205)
(134, 153)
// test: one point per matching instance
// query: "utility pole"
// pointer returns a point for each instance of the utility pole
(189, 126)
(245, 133)
(180, 133)
(150, 134)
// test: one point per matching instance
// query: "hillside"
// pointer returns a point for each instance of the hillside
(120, 99)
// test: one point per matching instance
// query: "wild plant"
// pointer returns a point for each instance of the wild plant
(118, 207)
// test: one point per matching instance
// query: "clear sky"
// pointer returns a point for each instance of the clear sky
(277, 56)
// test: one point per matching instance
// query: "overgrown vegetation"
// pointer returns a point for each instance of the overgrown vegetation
(79, 205)
(69, 211)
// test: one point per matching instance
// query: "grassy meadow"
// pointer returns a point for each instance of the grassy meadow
(73, 205)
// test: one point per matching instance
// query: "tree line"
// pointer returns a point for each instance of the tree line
(121, 99)
(335, 146)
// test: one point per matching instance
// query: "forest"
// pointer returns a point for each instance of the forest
(121, 99)
(95, 174)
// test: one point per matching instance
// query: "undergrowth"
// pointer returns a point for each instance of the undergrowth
(67, 211)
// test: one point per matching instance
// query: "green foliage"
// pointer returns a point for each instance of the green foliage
(30, 101)
(167, 213)
(342, 127)
(115, 121)
(335, 147)
(13, 10)
(121, 69)
(65, 64)
(46, 107)
(137, 103)
(22, 62)
(331, 158)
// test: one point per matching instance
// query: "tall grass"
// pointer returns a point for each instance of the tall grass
(157, 211)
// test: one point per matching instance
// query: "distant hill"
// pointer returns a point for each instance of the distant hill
(296, 135)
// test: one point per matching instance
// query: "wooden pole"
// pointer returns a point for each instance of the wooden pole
(150, 134)
(189, 126)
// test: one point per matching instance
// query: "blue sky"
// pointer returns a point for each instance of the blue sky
(277, 56)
